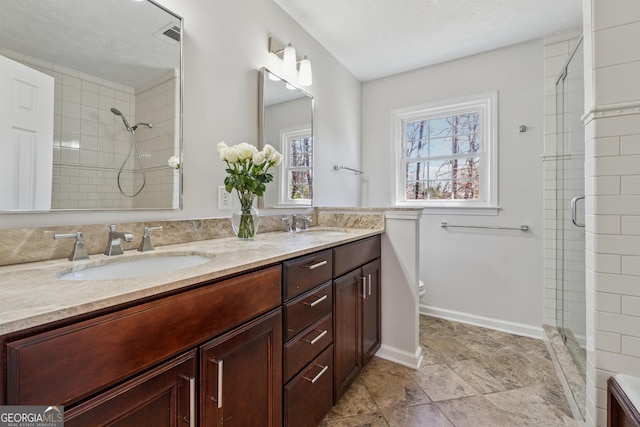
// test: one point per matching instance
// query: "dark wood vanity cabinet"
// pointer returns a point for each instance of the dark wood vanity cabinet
(272, 347)
(242, 375)
(356, 309)
(163, 397)
(308, 328)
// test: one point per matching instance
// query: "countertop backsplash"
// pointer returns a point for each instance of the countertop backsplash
(21, 245)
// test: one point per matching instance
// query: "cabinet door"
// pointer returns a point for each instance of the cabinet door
(370, 311)
(346, 317)
(162, 397)
(242, 375)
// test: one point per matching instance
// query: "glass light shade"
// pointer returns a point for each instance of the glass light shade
(289, 68)
(305, 78)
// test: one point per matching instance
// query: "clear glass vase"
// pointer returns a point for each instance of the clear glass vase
(245, 219)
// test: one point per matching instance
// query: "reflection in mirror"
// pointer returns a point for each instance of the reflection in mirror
(286, 123)
(104, 78)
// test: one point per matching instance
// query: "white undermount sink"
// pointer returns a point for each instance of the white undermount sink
(125, 268)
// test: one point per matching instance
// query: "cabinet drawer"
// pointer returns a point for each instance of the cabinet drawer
(309, 396)
(67, 364)
(304, 273)
(352, 255)
(307, 309)
(299, 351)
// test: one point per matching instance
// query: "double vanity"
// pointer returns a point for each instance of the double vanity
(263, 333)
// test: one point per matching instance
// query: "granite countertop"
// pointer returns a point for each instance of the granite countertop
(32, 295)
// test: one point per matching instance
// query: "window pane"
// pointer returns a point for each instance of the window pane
(415, 137)
(466, 144)
(416, 171)
(416, 190)
(466, 168)
(300, 185)
(440, 169)
(440, 127)
(465, 124)
(439, 190)
(466, 190)
(440, 147)
(301, 152)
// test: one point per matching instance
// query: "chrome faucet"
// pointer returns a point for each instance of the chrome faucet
(145, 243)
(114, 244)
(78, 251)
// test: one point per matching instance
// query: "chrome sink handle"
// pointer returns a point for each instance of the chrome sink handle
(78, 251)
(145, 243)
(114, 244)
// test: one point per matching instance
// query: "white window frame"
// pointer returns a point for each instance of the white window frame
(487, 105)
(285, 137)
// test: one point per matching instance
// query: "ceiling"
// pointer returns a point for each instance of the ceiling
(117, 40)
(378, 38)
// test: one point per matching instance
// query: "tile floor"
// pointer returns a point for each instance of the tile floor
(470, 377)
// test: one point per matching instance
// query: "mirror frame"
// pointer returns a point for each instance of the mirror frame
(179, 135)
(261, 136)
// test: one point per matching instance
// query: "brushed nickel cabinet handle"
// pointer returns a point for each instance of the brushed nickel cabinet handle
(364, 287)
(369, 285)
(192, 402)
(317, 377)
(220, 365)
(316, 302)
(315, 340)
(316, 265)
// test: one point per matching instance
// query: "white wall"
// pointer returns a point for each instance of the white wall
(225, 43)
(500, 283)
(612, 170)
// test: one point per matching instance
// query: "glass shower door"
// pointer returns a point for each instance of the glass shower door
(570, 242)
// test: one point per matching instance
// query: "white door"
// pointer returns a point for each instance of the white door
(26, 137)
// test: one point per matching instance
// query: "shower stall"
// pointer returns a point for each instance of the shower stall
(570, 222)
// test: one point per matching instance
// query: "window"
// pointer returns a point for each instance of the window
(447, 154)
(297, 168)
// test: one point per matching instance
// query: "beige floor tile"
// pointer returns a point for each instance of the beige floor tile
(392, 390)
(416, 416)
(440, 382)
(477, 411)
(356, 401)
(367, 420)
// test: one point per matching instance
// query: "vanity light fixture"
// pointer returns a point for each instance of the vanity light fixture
(290, 62)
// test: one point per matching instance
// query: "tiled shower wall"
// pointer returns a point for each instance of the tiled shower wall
(612, 126)
(91, 143)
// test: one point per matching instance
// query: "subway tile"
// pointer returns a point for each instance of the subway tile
(606, 263)
(631, 306)
(631, 265)
(614, 283)
(609, 146)
(608, 302)
(630, 184)
(611, 85)
(617, 244)
(617, 45)
(611, 13)
(617, 165)
(631, 346)
(614, 125)
(621, 205)
(617, 323)
(629, 145)
(607, 341)
(630, 225)
(604, 185)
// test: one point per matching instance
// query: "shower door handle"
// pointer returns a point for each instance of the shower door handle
(574, 211)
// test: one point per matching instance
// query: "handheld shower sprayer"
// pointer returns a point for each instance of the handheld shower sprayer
(117, 112)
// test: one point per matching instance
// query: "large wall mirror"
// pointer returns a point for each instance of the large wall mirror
(90, 105)
(286, 122)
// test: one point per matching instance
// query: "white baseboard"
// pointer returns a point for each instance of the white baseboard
(485, 322)
(402, 357)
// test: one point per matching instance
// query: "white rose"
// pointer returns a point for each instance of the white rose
(230, 154)
(245, 151)
(268, 151)
(221, 146)
(259, 158)
(275, 159)
(174, 162)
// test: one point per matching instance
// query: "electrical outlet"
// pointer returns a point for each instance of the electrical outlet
(224, 199)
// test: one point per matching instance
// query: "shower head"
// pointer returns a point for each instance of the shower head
(117, 112)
